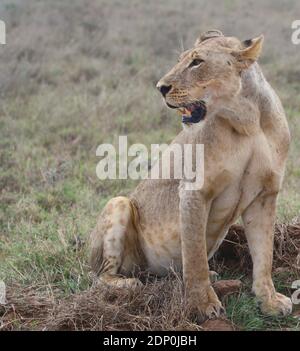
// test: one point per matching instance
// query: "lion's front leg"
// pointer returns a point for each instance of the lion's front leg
(201, 299)
(259, 220)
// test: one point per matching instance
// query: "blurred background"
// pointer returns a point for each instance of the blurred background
(78, 73)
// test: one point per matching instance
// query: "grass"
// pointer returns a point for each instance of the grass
(245, 312)
(70, 81)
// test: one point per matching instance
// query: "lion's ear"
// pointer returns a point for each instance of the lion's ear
(250, 53)
(207, 35)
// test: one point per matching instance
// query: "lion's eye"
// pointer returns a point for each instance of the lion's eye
(196, 62)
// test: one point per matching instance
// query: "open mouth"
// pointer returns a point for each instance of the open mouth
(192, 113)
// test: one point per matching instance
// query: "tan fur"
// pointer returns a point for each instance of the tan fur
(246, 140)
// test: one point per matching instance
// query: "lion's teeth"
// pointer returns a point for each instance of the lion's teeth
(184, 111)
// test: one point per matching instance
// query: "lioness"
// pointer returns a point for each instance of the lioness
(230, 108)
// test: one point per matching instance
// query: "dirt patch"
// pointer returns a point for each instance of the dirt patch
(218, 325)
(234, 254)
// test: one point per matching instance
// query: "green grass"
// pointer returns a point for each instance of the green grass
(244, 311)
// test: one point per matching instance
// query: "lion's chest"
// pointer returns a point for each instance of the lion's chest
(161, 241)
(249, 168)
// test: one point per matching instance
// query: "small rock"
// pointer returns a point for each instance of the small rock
(226, 287)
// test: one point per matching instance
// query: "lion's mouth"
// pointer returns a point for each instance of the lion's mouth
(192, 113)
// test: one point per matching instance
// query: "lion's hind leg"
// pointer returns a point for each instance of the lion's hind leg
(115, 251)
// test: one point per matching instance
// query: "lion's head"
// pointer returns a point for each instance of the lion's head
(210, 70)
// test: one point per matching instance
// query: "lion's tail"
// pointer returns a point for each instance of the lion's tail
(96, 249)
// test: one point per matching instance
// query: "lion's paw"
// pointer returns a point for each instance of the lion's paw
(214, 310)
(277, 305)
(122, 283)
(210, 308)
(129, 283)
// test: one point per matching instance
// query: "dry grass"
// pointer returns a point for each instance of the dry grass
(234, 253)
(158, 305)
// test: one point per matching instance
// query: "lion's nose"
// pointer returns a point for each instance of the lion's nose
(164, 89)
